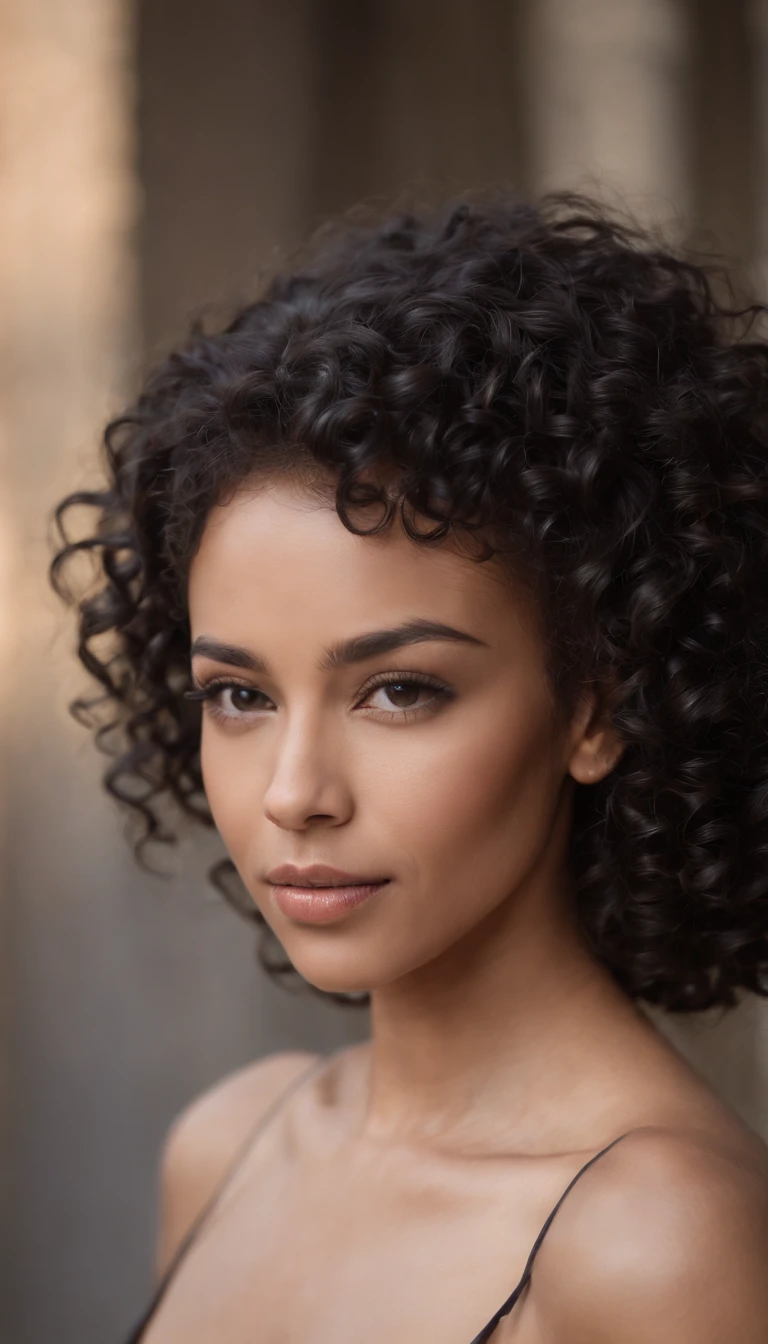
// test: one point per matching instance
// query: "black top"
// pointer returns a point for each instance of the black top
(137, 1333)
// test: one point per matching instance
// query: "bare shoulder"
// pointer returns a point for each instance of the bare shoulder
(664, 1239)
(205, 1137)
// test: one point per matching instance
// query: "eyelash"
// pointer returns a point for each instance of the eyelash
(210, 690)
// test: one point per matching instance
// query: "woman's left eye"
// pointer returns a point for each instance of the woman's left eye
(403, 696)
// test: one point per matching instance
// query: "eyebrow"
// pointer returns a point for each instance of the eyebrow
(346, 652)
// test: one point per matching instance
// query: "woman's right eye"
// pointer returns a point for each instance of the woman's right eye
(228, 699)
(241, 698)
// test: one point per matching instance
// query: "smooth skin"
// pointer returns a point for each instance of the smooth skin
(398, 1192)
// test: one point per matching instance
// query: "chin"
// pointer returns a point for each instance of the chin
(339, 970)
(333, 978)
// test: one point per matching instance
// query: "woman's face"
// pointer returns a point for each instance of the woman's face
(438, 763)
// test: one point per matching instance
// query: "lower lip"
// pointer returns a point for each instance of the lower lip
(322, 905)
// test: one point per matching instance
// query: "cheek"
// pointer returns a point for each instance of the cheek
(232, 787)
(473, 802)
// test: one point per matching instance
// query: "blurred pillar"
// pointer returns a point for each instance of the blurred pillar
(725, 88)
(66, 286)
(607, 101)
(67, 202)
(415, 101)
(227, 142)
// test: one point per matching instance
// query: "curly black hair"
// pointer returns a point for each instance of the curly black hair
(580, 398)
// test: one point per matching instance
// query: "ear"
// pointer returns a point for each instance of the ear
(594, 746)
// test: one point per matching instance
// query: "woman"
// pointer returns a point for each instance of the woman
(438, 583)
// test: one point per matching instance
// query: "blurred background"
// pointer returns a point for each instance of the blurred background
(154, 158)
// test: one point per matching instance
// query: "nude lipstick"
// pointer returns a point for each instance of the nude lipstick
(319, 894)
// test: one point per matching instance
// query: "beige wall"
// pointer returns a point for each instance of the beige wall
(125, 203)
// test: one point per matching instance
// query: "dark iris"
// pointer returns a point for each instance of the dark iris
(404, 688)
(236, 691)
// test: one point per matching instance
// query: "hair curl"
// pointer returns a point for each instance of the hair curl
(554, 379)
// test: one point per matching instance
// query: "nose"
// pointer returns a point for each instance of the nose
(307, 784)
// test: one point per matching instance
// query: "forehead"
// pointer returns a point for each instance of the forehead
(278, 552)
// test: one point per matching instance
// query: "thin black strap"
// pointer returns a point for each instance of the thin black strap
(506, 1307)
(218, 1193)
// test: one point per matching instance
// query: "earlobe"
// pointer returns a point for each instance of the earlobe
(595, 758)
(588, 774)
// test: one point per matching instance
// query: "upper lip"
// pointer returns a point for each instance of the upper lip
(316, 875)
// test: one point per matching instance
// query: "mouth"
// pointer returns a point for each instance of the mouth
(320, 898)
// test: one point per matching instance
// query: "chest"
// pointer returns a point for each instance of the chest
(338, 1252)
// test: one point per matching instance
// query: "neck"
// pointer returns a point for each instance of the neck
(503, 1029)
